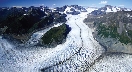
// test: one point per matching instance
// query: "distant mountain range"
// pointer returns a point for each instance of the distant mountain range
(108, 8)
(75, 9)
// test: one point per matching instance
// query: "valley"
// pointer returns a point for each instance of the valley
(81, 51)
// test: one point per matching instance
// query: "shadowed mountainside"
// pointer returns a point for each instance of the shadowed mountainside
(21, 24)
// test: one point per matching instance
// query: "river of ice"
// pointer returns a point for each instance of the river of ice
(77, 54)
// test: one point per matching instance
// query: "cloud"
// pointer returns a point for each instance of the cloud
(54, 4)
(103, 2)
(121, 5)
(17, 6)
(93, 4)
(38, 4)
(83, 5)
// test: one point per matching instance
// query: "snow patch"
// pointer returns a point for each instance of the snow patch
(89, 10)
(108, 10)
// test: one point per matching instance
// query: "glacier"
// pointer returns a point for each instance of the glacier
(79, 53)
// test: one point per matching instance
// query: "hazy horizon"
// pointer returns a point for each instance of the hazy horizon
(56, 3)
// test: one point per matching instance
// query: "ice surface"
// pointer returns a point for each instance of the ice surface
(118, 8)
(113, 63)
(108, 10)
(114, 9)
(77, 54)
(128, 10)
(87, 51)
(67, 10)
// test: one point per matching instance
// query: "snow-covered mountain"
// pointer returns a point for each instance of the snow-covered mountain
(107, 9)
(72, 9)
(90, 9)
(76, 9)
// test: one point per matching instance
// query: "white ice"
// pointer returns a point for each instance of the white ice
(113, 63)
(90, 9)
(114, 9)
(77, 54)
(108, 10)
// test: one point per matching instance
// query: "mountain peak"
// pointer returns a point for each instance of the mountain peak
(108, 6)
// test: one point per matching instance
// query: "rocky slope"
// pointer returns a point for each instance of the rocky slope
(113, 30)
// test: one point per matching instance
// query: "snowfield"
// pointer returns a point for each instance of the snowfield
(77, 54)
(90, 9)
(85, 51)
(113, 63)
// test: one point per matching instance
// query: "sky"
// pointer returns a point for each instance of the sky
(55, 3)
